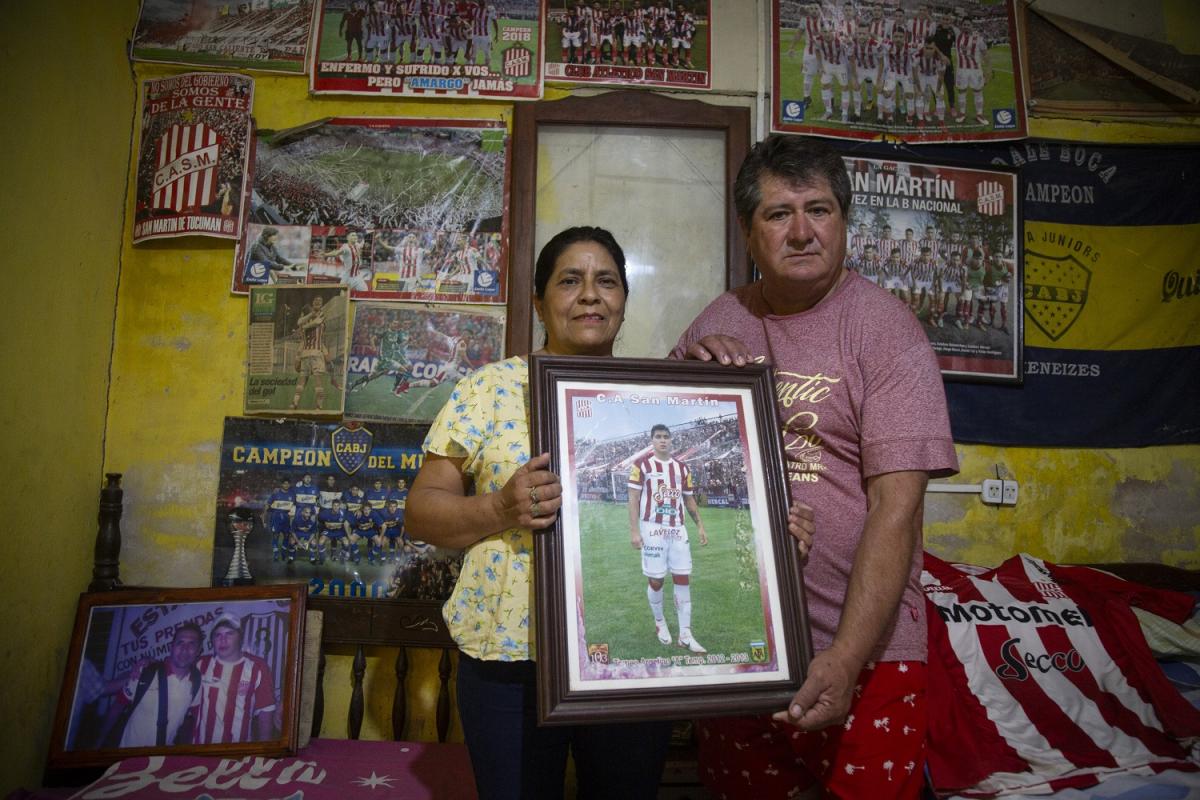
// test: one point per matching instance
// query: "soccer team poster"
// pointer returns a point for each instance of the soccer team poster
(323, 503)
(192, 155)
(903, 70)
(265, 35)
(396, 209)
(434, 48)
(946, 241)
(624, 42)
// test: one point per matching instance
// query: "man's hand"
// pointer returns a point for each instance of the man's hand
(824, 697)
(802, 525)
(721, 348)
(635, 539)
(703, 534)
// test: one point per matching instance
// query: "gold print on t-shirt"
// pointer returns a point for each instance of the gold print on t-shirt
(801, 442)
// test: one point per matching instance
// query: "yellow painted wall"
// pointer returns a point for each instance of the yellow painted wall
(67, 104)
(178, 348)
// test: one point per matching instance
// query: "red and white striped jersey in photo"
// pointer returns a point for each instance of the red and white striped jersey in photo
(880, 29)
(885, 247)
(230, 696)
(663, 484)
(812, 31)
(899, 60)
(482, 20)
(909, 250)
(930, 63)
(971, 50)
(866, 56)
(1045, 672)
(859, 242)
(948, 249)
(921, 270)
(919, 28)
(832, 50)
(377, 24)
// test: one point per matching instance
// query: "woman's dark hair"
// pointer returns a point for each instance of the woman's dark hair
(564, 239)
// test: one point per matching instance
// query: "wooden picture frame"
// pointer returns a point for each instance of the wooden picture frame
(627, 112)
(600, 655)
(125, 641)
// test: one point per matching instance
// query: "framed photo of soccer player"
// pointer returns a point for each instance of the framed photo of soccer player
(157, 671)
(946, 240)
(669, 586)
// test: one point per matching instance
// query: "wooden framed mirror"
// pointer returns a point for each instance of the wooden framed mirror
(657, 172)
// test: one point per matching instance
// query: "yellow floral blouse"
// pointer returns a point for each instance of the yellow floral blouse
(486, 422)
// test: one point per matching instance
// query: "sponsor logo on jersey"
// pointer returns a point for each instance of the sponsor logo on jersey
(1056, 290)
(1018, 666)
(351, 447)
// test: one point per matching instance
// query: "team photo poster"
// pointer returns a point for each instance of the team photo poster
(451, 49)
(200, 671)
(405, 359)
(395, 209)
(323, 504)
(263, 35)
(622, 42)
(667, 483)
(905, 70)
(192, 156)
(946, 240)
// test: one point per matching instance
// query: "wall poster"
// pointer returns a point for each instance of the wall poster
(622, 42)
(946, 240)
(192, 155)
(897, 71)
(431, 48)
(265, 35)
(395, 209)
(405, 359)
(323, 503)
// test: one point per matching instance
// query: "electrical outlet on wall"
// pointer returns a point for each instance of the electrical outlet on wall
(1008, 493)
(993, 492)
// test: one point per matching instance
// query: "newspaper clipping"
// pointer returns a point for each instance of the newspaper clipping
(905, 71)
(395, 209)
(264, 35)
(945, 240)
(192, 156)
(623, 43)
(430, 48)
(405, 359)
(324, 503)
(296, 360)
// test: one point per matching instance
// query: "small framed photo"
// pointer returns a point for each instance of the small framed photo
(181, 671)
(669, 587)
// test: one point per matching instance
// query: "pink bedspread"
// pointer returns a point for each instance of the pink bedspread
(328, 769)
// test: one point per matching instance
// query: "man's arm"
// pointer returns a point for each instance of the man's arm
(693, 508)
(895, 506)
(635, 529)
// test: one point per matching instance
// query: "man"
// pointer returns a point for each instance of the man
(974, 71)
(265, 263)
(329, 492)
(236, 701)
(351, 28)
(305, 534)
(336, 534)
(151, 708)
(314, 356)
(930, 68)
(305, 495)
(660, 487)
(859, 392)
(392, 359)
(277, 517)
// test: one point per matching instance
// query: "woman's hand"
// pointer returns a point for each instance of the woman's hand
(721, 348)
(532, 496)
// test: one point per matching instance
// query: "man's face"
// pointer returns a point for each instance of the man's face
(227, 643)
(352, 238)
(307, 480)
(908, 234)
(661, 441)
(185, 649)
(330, 480)
(283, 485)
(378, 484)
(401, 484)
(797, 237)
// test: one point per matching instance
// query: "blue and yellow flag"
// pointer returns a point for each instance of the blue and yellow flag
(1111, 287)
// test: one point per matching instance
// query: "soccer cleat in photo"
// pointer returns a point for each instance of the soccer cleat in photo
(686, 640)
(664, 633)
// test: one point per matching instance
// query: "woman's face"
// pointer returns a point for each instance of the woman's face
(584, 302)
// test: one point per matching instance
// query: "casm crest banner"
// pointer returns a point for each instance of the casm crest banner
(1112, 300)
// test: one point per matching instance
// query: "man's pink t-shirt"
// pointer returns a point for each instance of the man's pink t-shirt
(859, 394)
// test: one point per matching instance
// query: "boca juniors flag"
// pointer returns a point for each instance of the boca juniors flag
(192, 157)
(1112, 299)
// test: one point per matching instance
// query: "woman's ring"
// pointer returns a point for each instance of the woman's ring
(533, 495)
(533, 509)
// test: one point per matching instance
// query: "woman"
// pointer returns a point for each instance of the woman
(480, 441)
